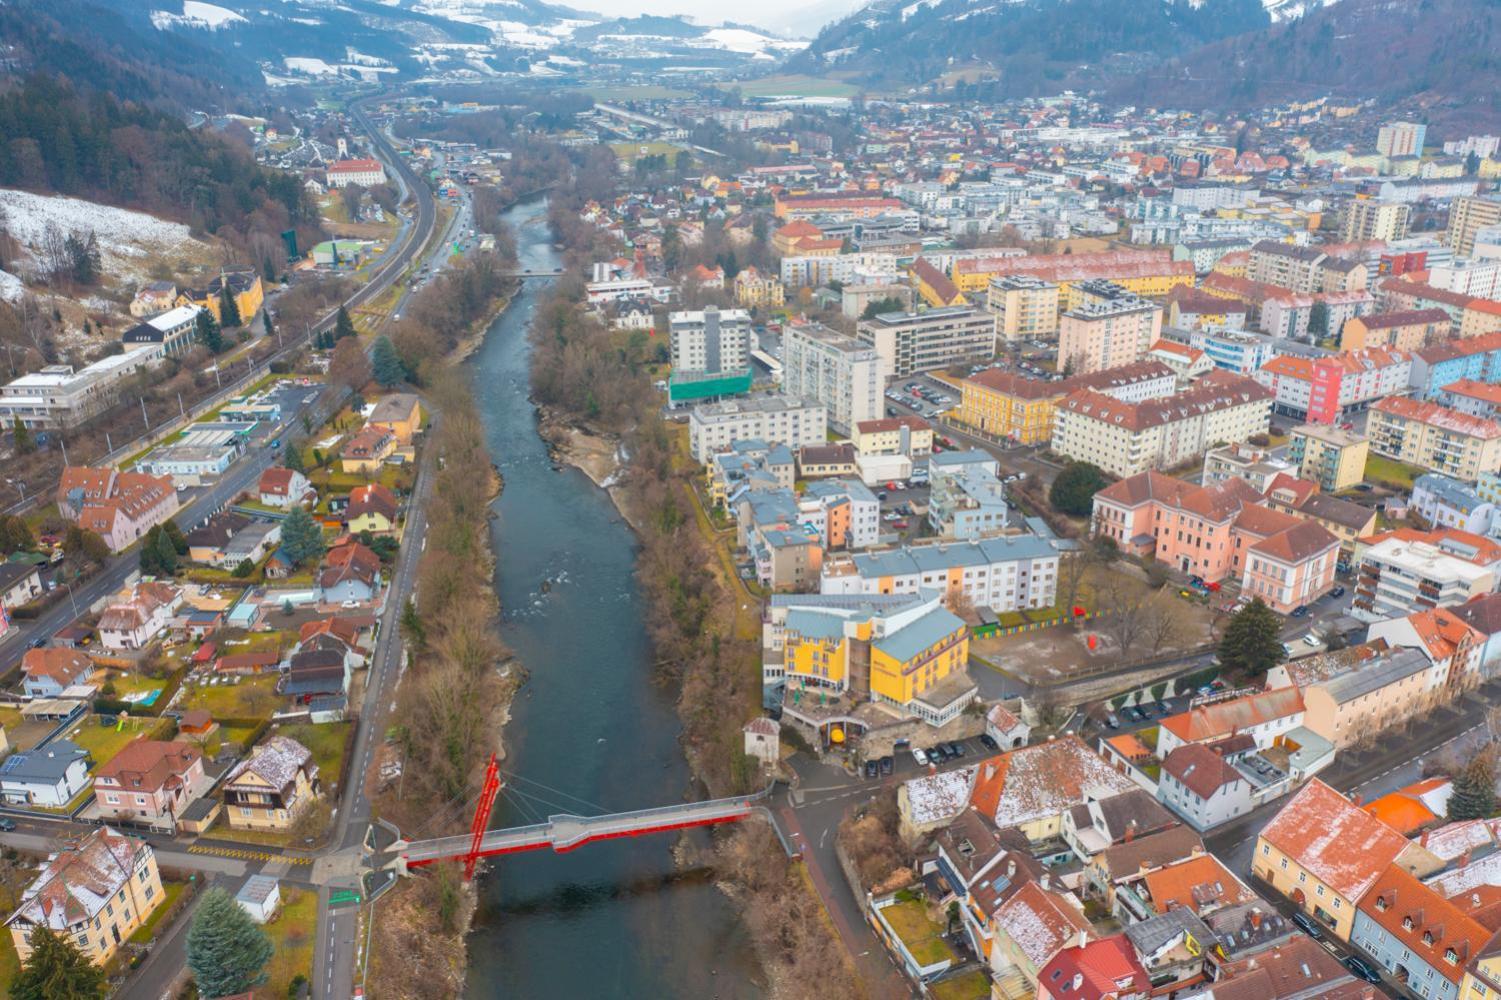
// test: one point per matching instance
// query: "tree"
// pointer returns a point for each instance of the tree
(229, 309)
(301, 537)
(15, 535)
(85, 544)
(385, 363)
(179, 540)
(1318, 320)
(343, 325)
(266, 322)
(21, 435)
(227, 952)
(1252, 643)
(1474, 795)
(412, 629)
(1074, 489)
(291, 457)
(209, 334)
(57, 970)
(166, 555)
(349, 366)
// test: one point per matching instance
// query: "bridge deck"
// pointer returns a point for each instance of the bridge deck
(565, 832)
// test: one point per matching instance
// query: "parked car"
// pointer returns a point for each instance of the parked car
(957, 749)
(1112, 721)
(871, 769)
(899, 525)
(1337, 591)
(887, 765)
(1305, 922)
(1362, 968)
(988, 742)
(919, 756)
(1301, 611)
(7, 824)
(1311, 639)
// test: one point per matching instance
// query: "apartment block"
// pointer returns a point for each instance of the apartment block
(1403, 571)
(1401, 139)
(1151, 273)
(710, 353)
(933, 339)
(1435, 437)
(1004, 574)
(1304, 269)
(1009, 405)
(1326, 390)
(1127, 438)
(1025, 308)
(1107, 333)
(1333, 458)
(1469, 214)
(838, 371)
(789, 420)
(1368, 219)
(57, 396)
(1399, 331)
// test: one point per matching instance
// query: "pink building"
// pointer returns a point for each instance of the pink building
(118, 506)
(150, 781)
(1219, 532)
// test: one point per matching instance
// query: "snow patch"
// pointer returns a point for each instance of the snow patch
(124, 236)
(11, 287)
(196, 14)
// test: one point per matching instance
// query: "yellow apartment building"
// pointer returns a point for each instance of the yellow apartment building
(1025, 308)
(1007, 405)
(1329, 456)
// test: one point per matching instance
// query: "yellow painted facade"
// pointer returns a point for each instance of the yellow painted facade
(1483, 980)
(901, 681)
(99, 937)
(372, 521)
(1291, 880)
(1154, 286)
(991, 411)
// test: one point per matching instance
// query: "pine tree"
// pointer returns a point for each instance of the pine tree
(56, 969)
(292, 457)
(343, 325)
(266, 322)
(151, 563)
(385, 362)
(301, 537)
(1252, 643)
(1074, 489)
(209, 334)
(21, 435)
(179, 540)
(166, 555)
(1474, 794)
(227, 952)
(229, 309)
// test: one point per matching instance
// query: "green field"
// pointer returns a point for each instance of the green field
(632, 151)
(292, 934)
(794, 85)
(1386, 470)
(145, 932)
(103, 742)
(252, 697)
(326, 741)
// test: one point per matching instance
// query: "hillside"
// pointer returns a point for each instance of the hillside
(1018, 48)
(1444, 55)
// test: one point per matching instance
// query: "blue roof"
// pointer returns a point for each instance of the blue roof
(922, 634)
(49, 763)
(815, 624)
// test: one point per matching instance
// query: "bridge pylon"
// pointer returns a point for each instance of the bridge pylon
(482, 809)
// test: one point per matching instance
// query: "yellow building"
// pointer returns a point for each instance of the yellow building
(1151, 273)
(1482, 979)
(916, 658)
(935, 287)
(1009, 406)
(399, 413)
(1435, 437)
(1329, 456)
(244, 286)
(1025, 307)
(816, 649)
(93, 894)
(753, 290)
(364, 453)
(271, 788)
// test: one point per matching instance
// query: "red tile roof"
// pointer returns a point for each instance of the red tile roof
(1334, 840)
(1424, 922)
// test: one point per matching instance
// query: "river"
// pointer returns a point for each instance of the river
(591, 731)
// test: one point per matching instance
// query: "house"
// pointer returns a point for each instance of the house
(1033, 926)
(350, 573)
(1324, 853)
(353, 632)
(1202, 787)
(1263, 715)
(982, 868)
(1107, 969)
(285, 488)
(1003, 726)
(320, 668)
(371, 508)
(152, 298)
(209, 542)
(120, 507)
(268, 790)
(364, 453)
(400, 414)
(1297, 968)
(1417, 935)
(260, 897)
(51, 670)
(46, 776)
(20, 584)
(150, 781)
(135, 622)
(1098, 823)
(1114, 866)
(252, 544)
(93, 893)
(1199, 883)
(1175, 948)
(1451, 646)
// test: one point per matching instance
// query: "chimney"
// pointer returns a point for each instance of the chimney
(1045, 882)
(1011, 868)
(1464, 859)
(1130, 831)
(1256, 918)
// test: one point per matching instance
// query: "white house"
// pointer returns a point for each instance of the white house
(1202, 787)
(136, 621)
(284, 488)
(260, 897)
(47, 776)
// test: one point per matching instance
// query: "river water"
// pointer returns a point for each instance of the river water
(590, 732)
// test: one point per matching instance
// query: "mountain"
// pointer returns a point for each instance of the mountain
(1019, 47)
(1444, 55)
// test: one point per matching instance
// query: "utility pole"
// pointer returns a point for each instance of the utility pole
(181, 412)
(145, 419)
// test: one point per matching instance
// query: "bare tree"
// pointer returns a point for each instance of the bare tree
(1123, 604)
(1161, 624)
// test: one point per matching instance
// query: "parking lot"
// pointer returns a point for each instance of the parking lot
(950, 754)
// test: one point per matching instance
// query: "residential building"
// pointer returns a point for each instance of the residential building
(753, 290)
(1368, 219)
(1332, 457)
(929, 340)
(244, 286)
(1100, 823)
(1266, 717)
(1034, 788)
(1187, 363)
(823, 460)
(1306, 270)
(365, 452)
(1107, 333)
(1292, 966)
(1190, 309)
(209, 542)
(174, 332)
(1357, 696)
(48, 776)
(1328, 389)
(1005, 573)
(778, 419)
(902, 435)
(364, 172)
(710, 353)
(135, 622)
(1434, 368)
(1394, 331)
(120, 507)
(351, 573)
(284, 488)
(1417, 935)
(934, 287)
(1435, 437)
(1451, 646)
(371, 508)
(1108, 969)
(57, 396)
(1324, 853)
(1467, 215)
(50, 670)
(1402, 571)
(1031, 927)
(967, 500)
(749, 465)
(20, 584)
(848, 512)
(150, 782)
(1149, 273)
(1401, 139)
(271, 787)
(1232, 350)
(837, 371)
(1257, 467)
(1472, 398)
(1025, 308)
(1008, 405)
(1127, 438)
(1201, 786)
(153, 298)
(399, 413)
(93, 894)
(1448, 503)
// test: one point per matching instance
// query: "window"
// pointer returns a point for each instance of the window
(1283, 863)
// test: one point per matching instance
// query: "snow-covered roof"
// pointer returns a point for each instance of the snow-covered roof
(935, 798)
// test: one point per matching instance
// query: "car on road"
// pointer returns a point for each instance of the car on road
(887, 765)
(871, 769)
(1362, 968)
(899, 525)
(37, 643)
(7, 824)
(919, 756)
(1112, 721)
(1337, 592)
(1310, 639)
(1301, 611)
(1306, 924)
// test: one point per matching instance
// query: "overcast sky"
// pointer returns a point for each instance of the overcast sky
(790, 17)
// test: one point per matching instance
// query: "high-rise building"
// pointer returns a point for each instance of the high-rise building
(1025, 307)
(1367, 219)
(929, 340)
(1467, 215)
(1112, 328)
(838, 371)
(710, 353)
(1401, 139)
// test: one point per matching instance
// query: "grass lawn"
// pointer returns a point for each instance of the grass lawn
(921, 936)
(252, 697)
(327, 744)
(631, 151)
(970, 986)
(106, 741)
(10, 964)
(1387, 470)
(794, 85)
(10, 718)
(292, 933)
(128, 682)
(170, 890)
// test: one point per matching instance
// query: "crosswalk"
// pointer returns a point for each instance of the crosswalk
(243, 854)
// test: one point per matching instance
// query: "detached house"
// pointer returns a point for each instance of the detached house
(1201, 786)
(135, 622)
(364, 453)
(49, 671)
(351, 573)
(285, 488)
(150, 781)
(400, 414)
(371, 508)
(272, 786)
(47, 776)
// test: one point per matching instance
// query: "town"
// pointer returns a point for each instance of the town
(1058, 542)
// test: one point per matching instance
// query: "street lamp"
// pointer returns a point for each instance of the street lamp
(71, 601)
